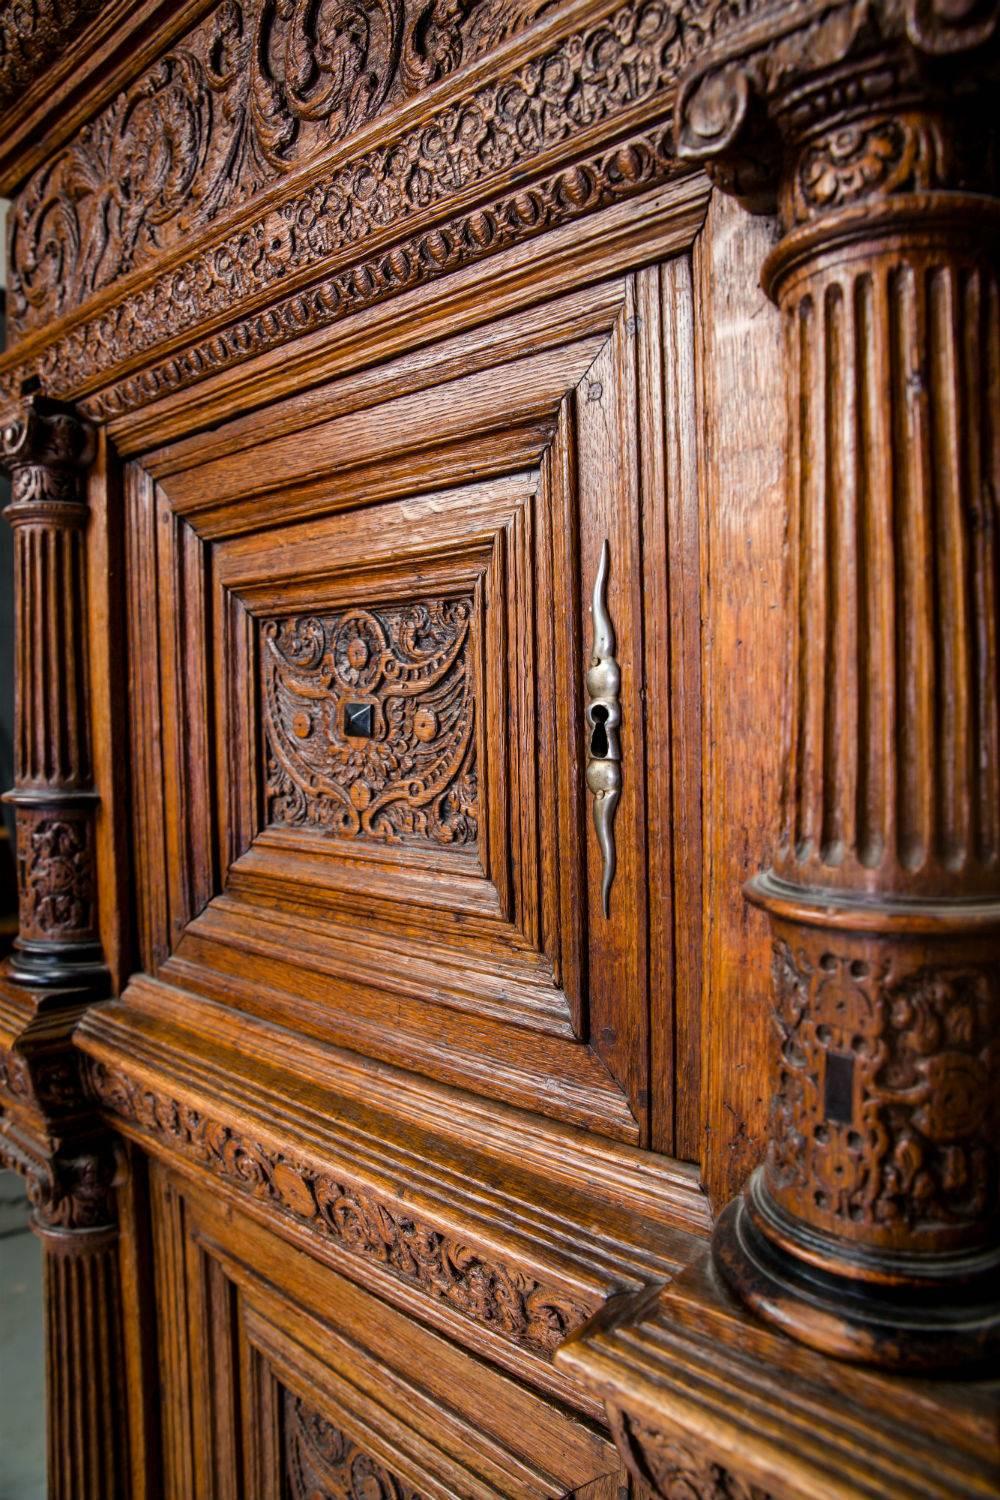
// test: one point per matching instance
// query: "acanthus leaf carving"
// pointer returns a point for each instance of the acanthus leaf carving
(252, 90)
(673, 1467)
(503, 1298)
(75, 233)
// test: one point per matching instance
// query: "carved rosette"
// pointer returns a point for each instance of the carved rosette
(46, 453)
(870, 129)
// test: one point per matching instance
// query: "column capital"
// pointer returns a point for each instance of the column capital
(46, 449)
(814, 107)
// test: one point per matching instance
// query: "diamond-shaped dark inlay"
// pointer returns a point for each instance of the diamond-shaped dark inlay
(359, 720)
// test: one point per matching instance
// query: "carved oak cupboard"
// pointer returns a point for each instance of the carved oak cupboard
(505, 501)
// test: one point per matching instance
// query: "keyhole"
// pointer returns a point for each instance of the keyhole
(599, 734)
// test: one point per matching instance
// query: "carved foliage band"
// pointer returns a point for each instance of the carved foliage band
(590, 77)
(254, 88)
(503, 1298)
(884, 1116)
(369, 721)
(323, 1463)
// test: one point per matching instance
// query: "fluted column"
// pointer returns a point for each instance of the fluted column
(50, 1132)
(87, 1439)
(46, 453)
(873, 1229)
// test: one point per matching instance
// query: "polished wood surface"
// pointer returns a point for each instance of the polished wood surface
(505, 998)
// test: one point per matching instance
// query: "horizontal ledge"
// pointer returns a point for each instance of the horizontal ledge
(888, 915)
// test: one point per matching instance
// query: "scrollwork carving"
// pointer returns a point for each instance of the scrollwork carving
(74, 232)
(33, 33)
(610, 177)
(828, 87)
(405, 771)
(674, 1468)
(251, 91)
(55, 875)
(503, 1298)
(323, 1463)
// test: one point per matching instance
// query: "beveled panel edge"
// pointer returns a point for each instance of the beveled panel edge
(639, 1186)
(693, 1377)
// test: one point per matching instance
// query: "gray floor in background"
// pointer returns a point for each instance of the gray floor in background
(22, 1354)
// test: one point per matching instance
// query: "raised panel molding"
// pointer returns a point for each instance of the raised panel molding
(341, 1396)
(437, 868)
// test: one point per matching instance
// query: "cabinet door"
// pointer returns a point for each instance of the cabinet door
(301, 1386)
(361, 631)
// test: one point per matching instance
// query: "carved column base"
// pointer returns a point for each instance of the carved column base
(941, 1316)
(87, 1435)
(57, 945)
(871, 1232)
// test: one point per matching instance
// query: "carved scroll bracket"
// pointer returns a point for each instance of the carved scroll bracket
(873, 1230)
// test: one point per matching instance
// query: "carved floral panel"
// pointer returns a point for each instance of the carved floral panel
(369, 723)
(323, 1463)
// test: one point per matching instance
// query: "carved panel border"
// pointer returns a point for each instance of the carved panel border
(503, 1298)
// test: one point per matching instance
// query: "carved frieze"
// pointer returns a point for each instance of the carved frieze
(501, 1297)
(323, 1463)
(369, 723)
(250, 92)
(33, 33)
(405, 202)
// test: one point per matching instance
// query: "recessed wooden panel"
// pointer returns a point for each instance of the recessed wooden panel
(338, 1394)
(380, 774)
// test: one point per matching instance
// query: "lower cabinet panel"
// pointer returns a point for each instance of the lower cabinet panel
(282, 1380)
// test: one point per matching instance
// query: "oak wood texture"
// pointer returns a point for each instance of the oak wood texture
(873, 1229)
(387, 1152)
(460, 946)
(698, 1385)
